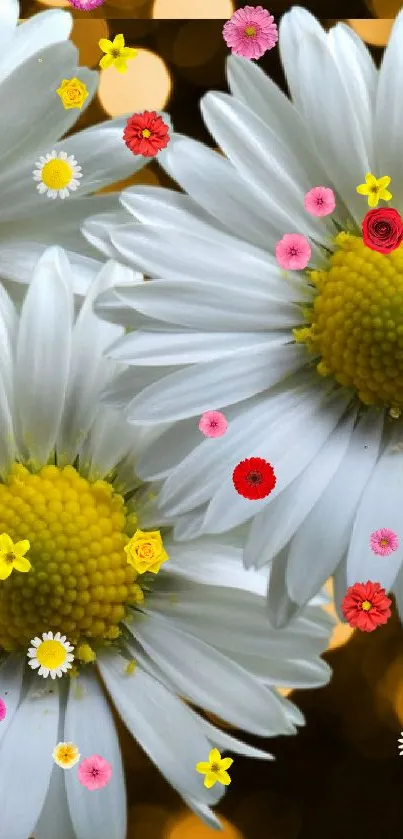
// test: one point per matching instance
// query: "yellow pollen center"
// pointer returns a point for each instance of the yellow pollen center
(115, 53)
(80, 582)
(57, 174)
(214, 767)
(355, 326)
(250, 31)
(366, 605)
(146, 132)
(51, 654)
(384, 543)
(9, 558)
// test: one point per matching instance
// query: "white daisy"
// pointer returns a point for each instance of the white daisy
(35, 56)
(400, 744)
(217, 331)
(197, 629)
(58, 174)
(50, 655)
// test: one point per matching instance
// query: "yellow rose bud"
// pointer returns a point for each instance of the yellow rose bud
(73, 93)
(145, 551)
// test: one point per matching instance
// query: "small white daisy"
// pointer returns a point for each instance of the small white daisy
(400, 744)
(52, 654)
(58, 174)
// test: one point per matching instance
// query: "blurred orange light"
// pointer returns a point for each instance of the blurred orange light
(342, 631)
(189, 825)
(145, 86)
(374, 32)
(217, 9)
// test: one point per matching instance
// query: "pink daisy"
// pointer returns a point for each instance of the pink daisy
(94, 772)
(320, 201)
(293, 252)
(3, 709)
(250, 32)
(86, 5)
(384, 541)
(213, 424)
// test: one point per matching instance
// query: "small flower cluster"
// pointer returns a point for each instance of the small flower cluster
(93, 772)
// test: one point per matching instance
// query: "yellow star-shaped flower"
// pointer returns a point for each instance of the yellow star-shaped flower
(12, 556)
(375, 188)
(116, 54)
(215, 769)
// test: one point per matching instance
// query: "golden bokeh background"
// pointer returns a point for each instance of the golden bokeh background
(341, 776)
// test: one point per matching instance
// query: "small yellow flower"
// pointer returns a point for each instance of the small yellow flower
(116, 53)
(73, 93)
(145, 551)
(12, 556)
(215, 769)
(375, 188)
(66, 755)
(85, 653)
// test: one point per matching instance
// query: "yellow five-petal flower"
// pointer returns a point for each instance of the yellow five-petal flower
(12, 556)
(375, 189)
(215, 769)
(116, 54)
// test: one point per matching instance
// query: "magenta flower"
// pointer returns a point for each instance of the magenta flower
(293, 252)
(213, 424)
(250, 32)
(320, 201)
(3, 709)
(94, 772)
(384, 541)
(86, 5)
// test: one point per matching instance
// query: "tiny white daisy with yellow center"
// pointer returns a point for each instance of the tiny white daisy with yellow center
(66, 755)
(58, 174)
(51, 655)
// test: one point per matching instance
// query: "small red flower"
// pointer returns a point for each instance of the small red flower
(254, 478)
(366, 606)
(146, 134)
(382, 230)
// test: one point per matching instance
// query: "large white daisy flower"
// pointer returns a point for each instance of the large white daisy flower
(218, 331)
(35, 59)
(197, 629)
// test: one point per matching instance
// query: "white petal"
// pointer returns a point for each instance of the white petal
(174, 748)
(213, 384)
(30, 740)
(33, 36)
(8, 21)
(89, 723)
(388, 117)
(55, 818)
(326, 531)
(222, 686)
(290, 450)
(377, 509)
(43, 354)
(276, 524)
(294, 27)
(225, 742)
(11, 673)
(208, 560)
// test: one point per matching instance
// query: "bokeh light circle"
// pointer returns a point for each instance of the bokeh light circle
(189, 825)
(145, 86)
(375, 32)
(86, 35)
(188, 9)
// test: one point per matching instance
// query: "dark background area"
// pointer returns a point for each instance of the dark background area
(341, 776)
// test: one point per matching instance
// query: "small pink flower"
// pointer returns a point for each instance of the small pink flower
(213, 424)
(250, 32)
(384, 541)
(320, 201)
(3, 709)
(94, 772)
(293, 252)
(86, 5)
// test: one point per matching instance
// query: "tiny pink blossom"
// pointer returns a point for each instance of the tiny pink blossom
(293, 252)
(213, 424)
(384, 541)
(320, 201)
(3, 709)
(94, 772)
(86, 5)
(250, 32)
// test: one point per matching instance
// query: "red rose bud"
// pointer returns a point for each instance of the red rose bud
(382, 230)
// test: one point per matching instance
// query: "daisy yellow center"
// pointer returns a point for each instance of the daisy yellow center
(384, 543)
(51, 654)
(146, 132)
(250, 31)
(355, 326)
(80, 582)
(115, 53)
(366, 605)
(66, 754)
(57, 174)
